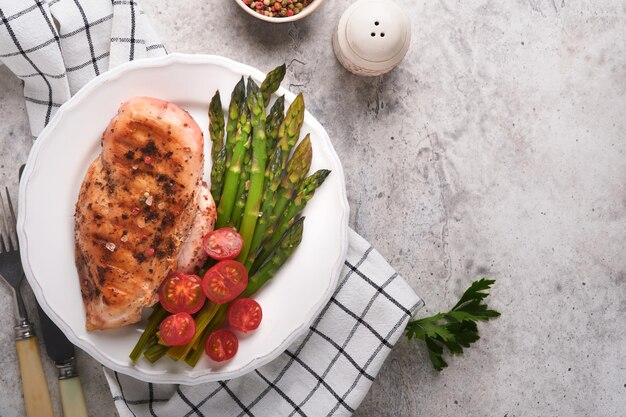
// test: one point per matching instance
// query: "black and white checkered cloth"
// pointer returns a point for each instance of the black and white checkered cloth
(55, 47)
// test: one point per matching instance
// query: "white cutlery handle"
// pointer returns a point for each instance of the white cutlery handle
(36, 395)
(72, 398)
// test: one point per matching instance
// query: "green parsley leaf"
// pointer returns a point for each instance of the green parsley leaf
(455, 329)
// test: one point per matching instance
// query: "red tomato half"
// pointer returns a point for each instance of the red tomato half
(224, 243)
(221, 345)
(244, 315)
(181, 293)
(177, 329)
(225, 281)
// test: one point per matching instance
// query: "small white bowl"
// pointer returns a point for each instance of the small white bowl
(304, 13)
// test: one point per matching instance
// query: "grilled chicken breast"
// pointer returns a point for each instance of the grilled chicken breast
(191, 256)
(136, 206)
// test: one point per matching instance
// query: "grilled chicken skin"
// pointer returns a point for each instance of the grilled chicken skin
(135, 208)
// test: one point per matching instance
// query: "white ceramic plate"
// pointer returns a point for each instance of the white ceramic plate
(49, 190)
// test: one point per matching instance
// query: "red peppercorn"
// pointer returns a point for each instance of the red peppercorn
(150, 252)
(135, 211)
(147, 160)
(277, 8)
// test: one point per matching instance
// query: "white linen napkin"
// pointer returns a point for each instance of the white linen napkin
(55, 47)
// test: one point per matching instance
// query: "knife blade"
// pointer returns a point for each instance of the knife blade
(61, 351)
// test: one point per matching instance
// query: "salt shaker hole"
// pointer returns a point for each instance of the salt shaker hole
(382, 35)
(377, 23)
(373, 34)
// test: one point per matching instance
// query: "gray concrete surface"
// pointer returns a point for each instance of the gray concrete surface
(496, 149)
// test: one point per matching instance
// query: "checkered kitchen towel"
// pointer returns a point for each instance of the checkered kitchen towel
(55, 47)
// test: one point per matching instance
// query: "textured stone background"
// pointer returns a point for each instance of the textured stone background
(496, 149)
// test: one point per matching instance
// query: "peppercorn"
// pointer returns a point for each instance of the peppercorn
(275, 8)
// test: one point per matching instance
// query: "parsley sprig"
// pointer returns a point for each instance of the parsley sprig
(457, 328)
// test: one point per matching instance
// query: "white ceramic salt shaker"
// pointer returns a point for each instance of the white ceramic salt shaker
(372, 37)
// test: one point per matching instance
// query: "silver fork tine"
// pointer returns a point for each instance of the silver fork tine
(13, 229)
(3, 227)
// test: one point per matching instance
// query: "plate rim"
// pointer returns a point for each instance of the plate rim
(90, 348)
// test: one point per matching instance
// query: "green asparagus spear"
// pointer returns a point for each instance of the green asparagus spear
(237, 102)
(287, 244)
(297, 168)
(217, 175)
(289, 129)
(158, 314)
(275, 202)
(233, 172)
(218, 319)
(216, 124)
(202, 320)
(257, 169)
(295, 208)
(218, 155)
(271, 82)
(156, 352)
(272, 181)
(242, 190)
(274, 118)
(242, 193)
(240, 205)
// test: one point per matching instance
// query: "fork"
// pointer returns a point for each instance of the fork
(34, 386)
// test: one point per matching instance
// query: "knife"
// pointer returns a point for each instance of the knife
(61, 351)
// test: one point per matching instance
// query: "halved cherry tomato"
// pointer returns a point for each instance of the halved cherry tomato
(221, 345)
(224, 243)
(177, 329)
(181, 293)
(244, 315)
(225, 281)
